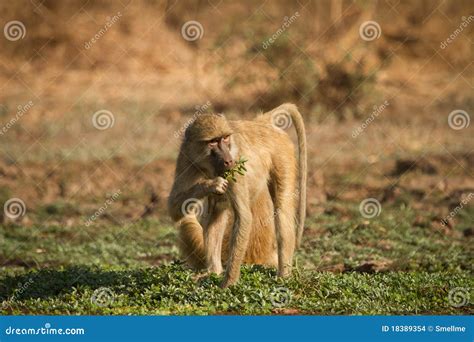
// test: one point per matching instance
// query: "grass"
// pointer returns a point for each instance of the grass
(347, 265)
(173, 289)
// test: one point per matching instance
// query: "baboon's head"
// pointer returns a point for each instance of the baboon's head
(209, 144)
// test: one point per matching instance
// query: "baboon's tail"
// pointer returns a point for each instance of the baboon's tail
(191, 242)
(297, 120)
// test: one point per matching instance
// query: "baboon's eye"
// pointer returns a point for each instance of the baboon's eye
(213, 142)
(226, 139)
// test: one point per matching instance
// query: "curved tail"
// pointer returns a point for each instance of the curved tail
(297, 120)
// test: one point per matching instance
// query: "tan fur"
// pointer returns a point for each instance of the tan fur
(255, 220)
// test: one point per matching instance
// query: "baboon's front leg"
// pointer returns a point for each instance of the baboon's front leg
(213, 239)
(240, 233)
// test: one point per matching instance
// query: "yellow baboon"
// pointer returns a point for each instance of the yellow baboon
(258, 219)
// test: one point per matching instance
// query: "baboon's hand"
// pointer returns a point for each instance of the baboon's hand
(228, 281)
(219, 186)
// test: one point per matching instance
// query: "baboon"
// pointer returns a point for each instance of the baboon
(257, 219)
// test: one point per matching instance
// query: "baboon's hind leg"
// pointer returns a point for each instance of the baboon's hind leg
(191, 242)
(283, 195)
(213, 239)
(262, 246)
